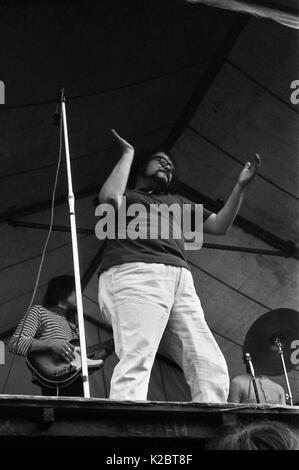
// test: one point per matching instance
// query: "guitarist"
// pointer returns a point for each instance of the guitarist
(51, 327)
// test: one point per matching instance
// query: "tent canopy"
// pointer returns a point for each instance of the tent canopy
(285, 12)
(211, 84)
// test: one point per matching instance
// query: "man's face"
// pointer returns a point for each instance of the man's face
(71, 301)
(161, 168)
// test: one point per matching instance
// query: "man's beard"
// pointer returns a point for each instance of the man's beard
(161, 183)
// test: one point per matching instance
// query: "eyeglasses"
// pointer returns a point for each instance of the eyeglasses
(164, 162)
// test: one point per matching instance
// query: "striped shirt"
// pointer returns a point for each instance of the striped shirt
(40, 323)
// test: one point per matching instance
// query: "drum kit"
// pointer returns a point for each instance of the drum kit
(272, 345)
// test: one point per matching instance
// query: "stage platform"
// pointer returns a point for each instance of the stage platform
(44, 423)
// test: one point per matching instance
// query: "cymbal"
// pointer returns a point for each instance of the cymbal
(282, 323)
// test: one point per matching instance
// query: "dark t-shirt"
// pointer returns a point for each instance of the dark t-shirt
(167, 250)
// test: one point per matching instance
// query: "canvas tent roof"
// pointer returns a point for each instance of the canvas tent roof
(211, 84)
(284, 12)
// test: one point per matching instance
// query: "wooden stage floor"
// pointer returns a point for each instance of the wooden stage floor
(44, 423)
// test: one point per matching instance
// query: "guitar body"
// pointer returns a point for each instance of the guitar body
(50, 370)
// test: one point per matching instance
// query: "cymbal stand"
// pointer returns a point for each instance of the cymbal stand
(278, 343)
(248, 359)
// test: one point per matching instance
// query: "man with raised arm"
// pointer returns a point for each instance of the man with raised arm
(146, 289)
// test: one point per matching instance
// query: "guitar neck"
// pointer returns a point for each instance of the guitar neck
(107, 345)
(93, 349)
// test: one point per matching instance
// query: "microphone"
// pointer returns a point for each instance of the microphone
(57, 115)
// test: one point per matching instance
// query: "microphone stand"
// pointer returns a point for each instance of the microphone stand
(248, 358)
(71, 201)
(278, 343)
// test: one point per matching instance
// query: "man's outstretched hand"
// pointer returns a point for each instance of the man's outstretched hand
(122, 143)
(249, 171)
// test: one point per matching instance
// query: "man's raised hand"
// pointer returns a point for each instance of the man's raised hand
(122, 143)
(249, 171)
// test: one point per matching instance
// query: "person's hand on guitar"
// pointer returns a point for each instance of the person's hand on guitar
(63, 348)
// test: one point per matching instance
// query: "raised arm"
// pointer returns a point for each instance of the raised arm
(116, 183)
(219, 224)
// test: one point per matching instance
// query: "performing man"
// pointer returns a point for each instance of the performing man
(146, 289)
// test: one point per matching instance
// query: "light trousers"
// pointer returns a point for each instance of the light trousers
(149, 303)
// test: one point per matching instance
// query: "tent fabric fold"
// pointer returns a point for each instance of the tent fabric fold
(281, 15)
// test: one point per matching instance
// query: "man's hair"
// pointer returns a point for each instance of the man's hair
(140, 163)
(263, 435)
(59, 288)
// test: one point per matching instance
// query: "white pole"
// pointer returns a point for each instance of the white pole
(71, 200)
(280, 352)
